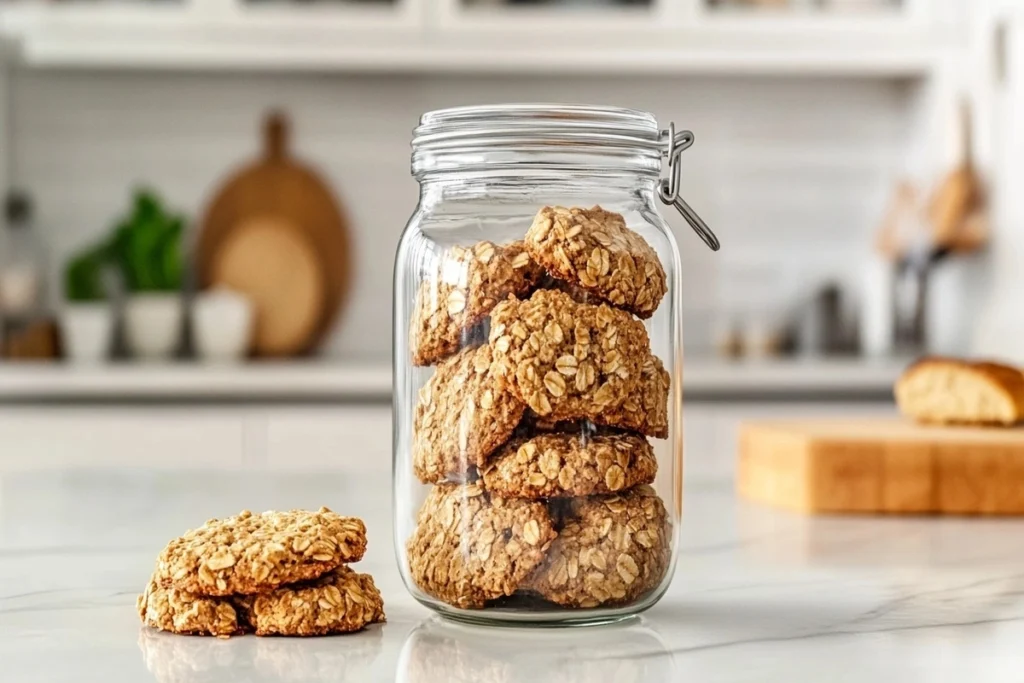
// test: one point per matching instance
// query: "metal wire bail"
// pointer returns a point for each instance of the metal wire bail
(668, 188)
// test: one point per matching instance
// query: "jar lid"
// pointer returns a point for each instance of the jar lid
(554, 138)
(503, 124)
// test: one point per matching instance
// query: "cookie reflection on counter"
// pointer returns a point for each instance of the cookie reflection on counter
(173, 659)
(318, 659)
(441, 651)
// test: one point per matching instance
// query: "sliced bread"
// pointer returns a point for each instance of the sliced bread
(951, 391)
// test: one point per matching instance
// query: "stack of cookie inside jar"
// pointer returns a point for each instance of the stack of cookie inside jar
(535, 430)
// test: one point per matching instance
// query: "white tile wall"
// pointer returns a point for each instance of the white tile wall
(792, 173)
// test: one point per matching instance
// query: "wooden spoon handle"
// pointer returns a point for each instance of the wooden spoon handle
(275, 136)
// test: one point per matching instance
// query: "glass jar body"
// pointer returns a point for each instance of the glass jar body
(537, 411)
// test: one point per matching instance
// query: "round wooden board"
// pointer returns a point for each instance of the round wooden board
(280, 189)
(276, 266)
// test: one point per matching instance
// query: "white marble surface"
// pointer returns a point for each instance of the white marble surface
(759, 595)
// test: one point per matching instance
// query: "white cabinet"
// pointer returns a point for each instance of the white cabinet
(312, 437)
(34, 437)
(194, 437)
(355, 438)
(673, 36)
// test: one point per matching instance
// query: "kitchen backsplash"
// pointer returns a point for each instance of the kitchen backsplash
(792, 174)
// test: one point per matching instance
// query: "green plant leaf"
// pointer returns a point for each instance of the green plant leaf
(83, 274)
(147, 246)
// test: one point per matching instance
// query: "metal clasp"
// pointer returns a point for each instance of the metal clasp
(668, 188)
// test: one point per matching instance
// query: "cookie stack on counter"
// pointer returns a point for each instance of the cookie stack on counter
(533, 430)
(275, 573)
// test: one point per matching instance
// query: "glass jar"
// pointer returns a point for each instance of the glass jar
(538, 365)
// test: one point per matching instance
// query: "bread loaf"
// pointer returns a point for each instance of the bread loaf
(951, 391)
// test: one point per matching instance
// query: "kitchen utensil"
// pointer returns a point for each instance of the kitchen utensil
(882, 465)
(279, 189)
(955, 206)
(910, 304)
(222, 325)
(902, 222)
(275, 265)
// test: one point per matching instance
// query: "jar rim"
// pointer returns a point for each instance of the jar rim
(536, 128)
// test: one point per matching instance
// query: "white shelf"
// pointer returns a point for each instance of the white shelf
(324, 381)
(816, 377)
(201, 56)
(418, 37)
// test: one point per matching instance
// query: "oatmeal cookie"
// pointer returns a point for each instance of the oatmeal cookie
(471, 546)
(612, 551)
(177, 611)
(645, 409)
(468, 283)
(563, 465)
(254, 553)
(339, 601)
(593, 248)
(463, 414)
(565, 359)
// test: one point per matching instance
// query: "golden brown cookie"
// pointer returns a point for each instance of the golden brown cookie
(177, 611)
(462, 415)
(562, 465)
(594, 249)
(471, 546)
(466, 285)
(336, 602)
(612, 551)
(645, 409)
(254, 553)
(564, 359)
(339, 601)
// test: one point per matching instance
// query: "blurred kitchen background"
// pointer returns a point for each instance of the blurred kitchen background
(860, 160)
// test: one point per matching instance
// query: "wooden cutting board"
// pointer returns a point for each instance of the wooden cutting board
(277, 268)
(278, 189)
(883, 466)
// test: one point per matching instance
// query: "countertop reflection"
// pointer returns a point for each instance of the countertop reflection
(759, 595)
(175, 659)
(621, 653)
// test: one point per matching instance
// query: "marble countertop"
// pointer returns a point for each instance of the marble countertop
(759, 594)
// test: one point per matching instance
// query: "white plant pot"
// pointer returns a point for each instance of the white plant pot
(152, 325)
(222, 322)
(86, 331)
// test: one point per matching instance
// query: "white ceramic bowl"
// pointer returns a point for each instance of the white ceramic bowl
(222, 322)
(152, 325)
(86, 330)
